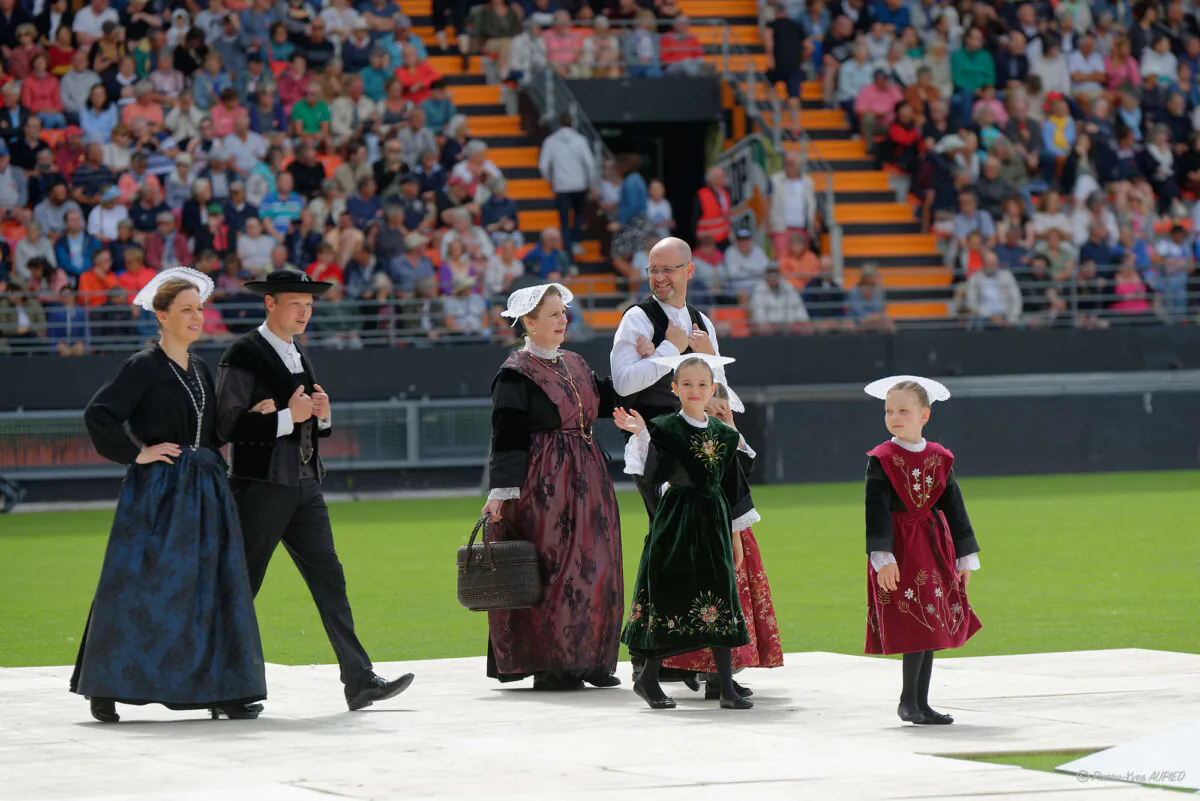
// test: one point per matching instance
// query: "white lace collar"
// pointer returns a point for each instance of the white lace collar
(691, 421)
(542, 353)
(911, 447)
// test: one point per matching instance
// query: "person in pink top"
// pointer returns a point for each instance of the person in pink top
(1121, 66)
(563, 44)
(876, 104)
(293, 83)
(41, 95)
(1130, 290)
(224, 112)
(415, 75)
(145, 107)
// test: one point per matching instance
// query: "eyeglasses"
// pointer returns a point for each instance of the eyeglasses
(655, 272)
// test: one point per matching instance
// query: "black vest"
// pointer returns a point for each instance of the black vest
(658, 399)
(275, 460)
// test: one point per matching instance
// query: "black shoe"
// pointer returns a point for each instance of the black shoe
(375, 688)
(665, 702)
(935, 718)
(692, 682)
(552, 683)
(910, 713)
(736, 703)
(236, 711)
(601, 678)
(712, 689)
(104, 711)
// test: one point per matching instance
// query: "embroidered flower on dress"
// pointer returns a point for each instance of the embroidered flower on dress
(909, 594)
(938, 592)
(707, 450)
(956, 609)
(916, 472)
(929, 608)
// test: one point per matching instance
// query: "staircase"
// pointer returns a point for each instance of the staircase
(876, 228)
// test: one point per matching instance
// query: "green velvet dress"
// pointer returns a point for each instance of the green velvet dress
(686, 595)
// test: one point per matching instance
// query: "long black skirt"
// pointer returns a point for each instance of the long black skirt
(173, 619)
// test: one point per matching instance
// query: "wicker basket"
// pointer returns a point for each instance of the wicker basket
(498, 575)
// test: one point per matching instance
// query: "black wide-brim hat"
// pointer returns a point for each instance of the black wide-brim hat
(282, 281)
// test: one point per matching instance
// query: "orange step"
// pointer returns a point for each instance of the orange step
(537, 220)
(495, 126)
(416, 8)
(739, 62)
(853, 181)
(603, 319)
(452, 65)
(917, 310)
(874, 213)
(529, 189)
(824, 119)
(903, 277)
(475, 95)
(812, 90)
(506, 157)
(880, 246)
(738, 34)
(592, 284)
(832, 150)
(719, 8)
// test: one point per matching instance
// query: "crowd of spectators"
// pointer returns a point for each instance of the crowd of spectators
(1020, 128)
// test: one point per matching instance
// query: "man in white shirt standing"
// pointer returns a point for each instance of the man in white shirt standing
(89, 22)
(566, 161)
(276, 471)
(662, 325)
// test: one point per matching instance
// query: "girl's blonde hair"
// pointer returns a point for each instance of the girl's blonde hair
(692, 362)
(915, 388)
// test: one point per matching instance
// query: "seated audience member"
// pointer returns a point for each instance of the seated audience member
(776, 306)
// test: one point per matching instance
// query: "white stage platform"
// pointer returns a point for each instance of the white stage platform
(824, 728)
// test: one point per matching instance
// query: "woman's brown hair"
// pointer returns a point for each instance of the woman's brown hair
(628, 163)
(170, 289)
(915, 388)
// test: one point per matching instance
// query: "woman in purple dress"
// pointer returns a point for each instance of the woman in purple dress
(549, 484)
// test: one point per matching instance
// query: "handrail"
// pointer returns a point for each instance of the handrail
(552, 96)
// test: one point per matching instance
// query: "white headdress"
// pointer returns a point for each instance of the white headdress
(735, 403)
(934, 389)
(524, 301)
(202, 282)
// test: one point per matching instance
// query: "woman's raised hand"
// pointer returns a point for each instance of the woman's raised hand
(629, 421)
(161, 452)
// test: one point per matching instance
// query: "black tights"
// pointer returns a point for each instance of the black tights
(723, 657)
(918, 669)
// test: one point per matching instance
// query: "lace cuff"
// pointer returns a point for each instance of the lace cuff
(636, 450)
(746, 521)
(745, 448)
(881, 559)
(968, 562)
(504, 494)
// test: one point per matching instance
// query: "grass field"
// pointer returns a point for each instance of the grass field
(1069, 563)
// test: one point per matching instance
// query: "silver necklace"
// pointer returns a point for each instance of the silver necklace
(199, 407)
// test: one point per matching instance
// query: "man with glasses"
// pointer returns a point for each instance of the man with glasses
(661, 325)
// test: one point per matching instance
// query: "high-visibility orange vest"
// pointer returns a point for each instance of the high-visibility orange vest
(714, 214)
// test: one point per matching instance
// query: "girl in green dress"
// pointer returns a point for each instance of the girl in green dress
(686, 596)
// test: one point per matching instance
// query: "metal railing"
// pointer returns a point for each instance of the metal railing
(1162, 295)
(387, 435)
(551, 95)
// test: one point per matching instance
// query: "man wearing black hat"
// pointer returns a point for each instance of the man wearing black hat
(276, 470)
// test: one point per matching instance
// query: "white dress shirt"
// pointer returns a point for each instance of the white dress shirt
(880, 559)
(290, 356)
(630, 372)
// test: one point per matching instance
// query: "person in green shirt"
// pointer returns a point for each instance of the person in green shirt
(971, 69)
(310, 117)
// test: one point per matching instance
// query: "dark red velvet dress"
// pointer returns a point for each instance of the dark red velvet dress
(915, 511)
(542, 416)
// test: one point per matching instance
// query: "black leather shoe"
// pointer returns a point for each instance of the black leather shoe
(736, 703)
(935, 718)
(236, 711)
(712, 689)
(104, 711)
(600, 678)
(910, 714)
(692, 682)
(375, 688)
(665, 702)
(553, 683)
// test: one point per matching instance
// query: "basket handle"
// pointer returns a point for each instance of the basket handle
(483, 524)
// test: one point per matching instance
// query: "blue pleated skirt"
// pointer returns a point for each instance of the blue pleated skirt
(173, 619)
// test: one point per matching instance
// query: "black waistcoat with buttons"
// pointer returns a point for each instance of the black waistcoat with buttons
(278, 460)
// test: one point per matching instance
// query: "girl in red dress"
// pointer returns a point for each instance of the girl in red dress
(921, 545)
(754, 592)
